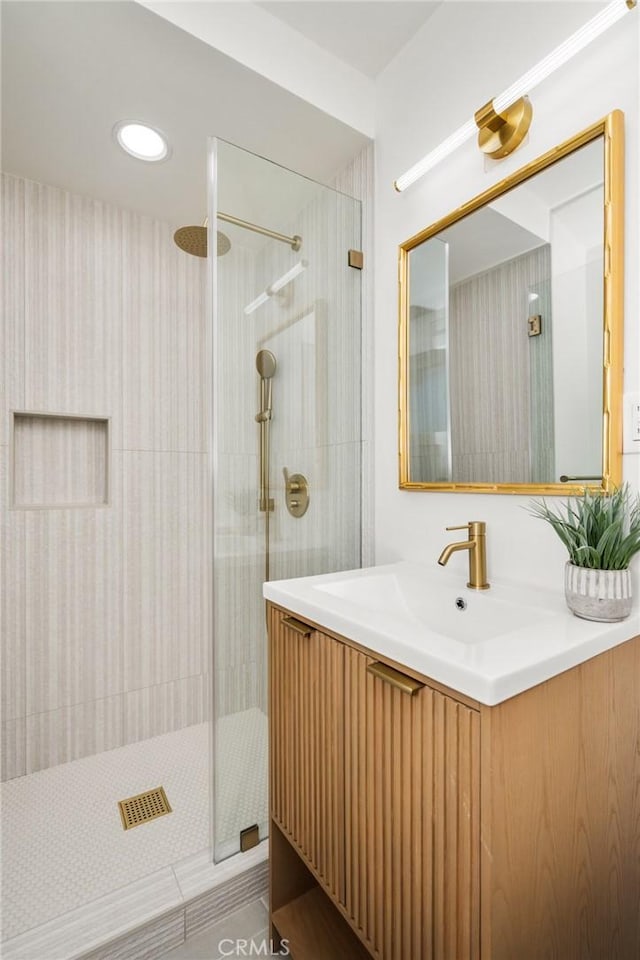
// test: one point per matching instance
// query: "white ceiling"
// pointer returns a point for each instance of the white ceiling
(571, 177)
(503, 230)
(365, 35)
(485, 240)
(70, 71)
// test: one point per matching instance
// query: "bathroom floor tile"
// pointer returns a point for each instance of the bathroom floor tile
(230, 937)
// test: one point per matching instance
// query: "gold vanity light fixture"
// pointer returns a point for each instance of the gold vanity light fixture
(503, 122)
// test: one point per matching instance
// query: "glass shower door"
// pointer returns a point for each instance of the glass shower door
(286, 405)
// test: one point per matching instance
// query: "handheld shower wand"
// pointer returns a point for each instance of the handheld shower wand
(265, 398)
(266, 367)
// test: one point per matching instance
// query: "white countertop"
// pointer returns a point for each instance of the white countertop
(508, 638)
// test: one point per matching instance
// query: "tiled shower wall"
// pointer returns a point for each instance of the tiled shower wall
(490, 365)
(105, 629)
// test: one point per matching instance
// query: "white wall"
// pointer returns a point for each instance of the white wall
(433, 86)
(576, 310)
(254, 37)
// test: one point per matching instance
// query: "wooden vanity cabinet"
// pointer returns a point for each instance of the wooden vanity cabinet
(417, 824)
(412, 802)
(307, 746)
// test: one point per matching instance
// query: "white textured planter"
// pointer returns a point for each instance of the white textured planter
(603, 595)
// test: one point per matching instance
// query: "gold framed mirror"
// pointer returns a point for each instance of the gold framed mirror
(511, 330)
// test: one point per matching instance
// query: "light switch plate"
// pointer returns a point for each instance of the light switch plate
(631, 423)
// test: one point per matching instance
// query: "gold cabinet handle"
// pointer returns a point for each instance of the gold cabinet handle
(298, 626)
(395, 678)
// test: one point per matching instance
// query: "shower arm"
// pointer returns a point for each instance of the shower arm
(294, 242)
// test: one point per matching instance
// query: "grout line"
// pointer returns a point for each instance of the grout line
(112, 696)
(152, 450)
(175, 876)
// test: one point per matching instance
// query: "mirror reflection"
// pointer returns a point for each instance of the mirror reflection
(505, 335)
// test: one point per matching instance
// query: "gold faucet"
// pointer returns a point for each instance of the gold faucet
(476, 545)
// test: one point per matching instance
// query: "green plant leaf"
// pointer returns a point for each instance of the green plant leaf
(599, 530)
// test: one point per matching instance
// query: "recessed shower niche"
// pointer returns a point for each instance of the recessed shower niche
(60, 460)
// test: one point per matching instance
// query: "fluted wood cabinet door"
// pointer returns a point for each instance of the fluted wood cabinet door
(412, 815)
(307, 746)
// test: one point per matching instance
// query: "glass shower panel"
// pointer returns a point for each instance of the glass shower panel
(287, 397)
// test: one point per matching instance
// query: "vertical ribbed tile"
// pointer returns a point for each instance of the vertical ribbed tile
(12, 562)
(239, 546)
(12, 299)
(490, 371)
(93, 270)
(73, 732)
(147, 942)
(235, 377)
(165, 707)
(73, 312)
(241, 686)
(60, 461)
(165, 555)
(328, 536)
(357, 180)
(429, 392)
(13, 648)
(13, 758)
(207, 910)
(164, 357)
(74, 586)
(313, 327)
(541, 374)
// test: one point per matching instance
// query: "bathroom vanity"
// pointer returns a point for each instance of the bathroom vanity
(414, 820)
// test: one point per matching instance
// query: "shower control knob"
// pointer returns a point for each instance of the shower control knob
(296, 493)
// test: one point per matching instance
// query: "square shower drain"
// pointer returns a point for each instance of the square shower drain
(144, 807)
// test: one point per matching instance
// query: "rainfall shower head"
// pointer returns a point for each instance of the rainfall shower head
(193, 240)
(265, 364)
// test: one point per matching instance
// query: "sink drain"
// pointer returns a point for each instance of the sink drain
(461, 603)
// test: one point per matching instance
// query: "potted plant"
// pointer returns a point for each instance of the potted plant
(601, 532)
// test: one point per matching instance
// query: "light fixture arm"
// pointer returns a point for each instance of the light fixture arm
(502, 133)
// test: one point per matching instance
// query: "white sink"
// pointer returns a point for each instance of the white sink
(488, 644)
(408, 593)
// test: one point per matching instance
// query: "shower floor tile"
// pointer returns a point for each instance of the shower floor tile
(62, 839)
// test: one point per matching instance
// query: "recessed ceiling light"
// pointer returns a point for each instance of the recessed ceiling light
(141, 141)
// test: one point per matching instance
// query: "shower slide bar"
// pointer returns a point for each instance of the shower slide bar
(294, 242)
(266, 367)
